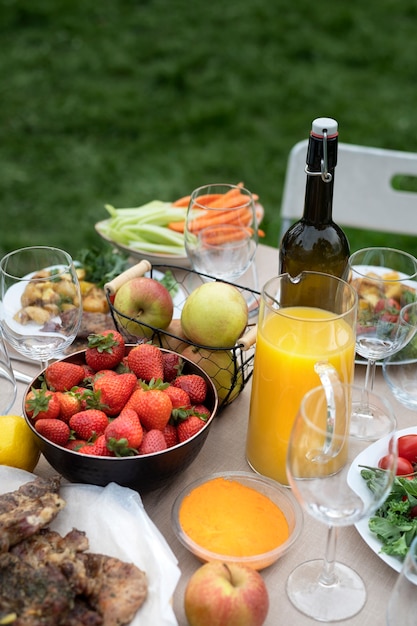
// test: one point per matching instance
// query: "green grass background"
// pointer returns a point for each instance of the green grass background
(125, 101)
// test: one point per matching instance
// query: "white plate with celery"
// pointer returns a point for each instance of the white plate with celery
(144, 233)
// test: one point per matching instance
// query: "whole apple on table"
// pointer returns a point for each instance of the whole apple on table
(214, 315)
(226, 594)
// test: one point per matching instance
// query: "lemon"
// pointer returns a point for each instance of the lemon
(18, 447)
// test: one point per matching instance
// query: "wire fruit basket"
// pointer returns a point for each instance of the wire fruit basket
(230, 367)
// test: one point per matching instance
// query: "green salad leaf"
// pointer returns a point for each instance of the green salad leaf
(395, 522)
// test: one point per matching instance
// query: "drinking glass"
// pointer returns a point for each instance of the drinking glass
(8, 387)
(41, 306)
(402, 605)
(382, 278)
(221, 230)
(302, 321)
(324, 472)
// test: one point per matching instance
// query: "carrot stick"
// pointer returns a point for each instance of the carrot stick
(233, 216)
(204, 199)
(238, 216)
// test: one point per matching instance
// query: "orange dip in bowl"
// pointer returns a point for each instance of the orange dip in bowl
(228, 518)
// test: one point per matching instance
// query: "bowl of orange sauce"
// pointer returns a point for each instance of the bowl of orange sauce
(237, 517)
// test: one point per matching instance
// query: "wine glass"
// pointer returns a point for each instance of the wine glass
(402, 605)
(325, 473)
(8, 387)
(383, 279)
(41, 306)
(221, 230)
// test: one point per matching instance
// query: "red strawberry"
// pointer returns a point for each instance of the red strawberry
(55, 430)
(171, 435)
(70, 403)
(194, 385)
(115, 391)
(201, 411)
(172, 365)
(179, 397)
(102, 373)
(105, 350)
(98, 448)
(133, 401)
(62, 375)
(153, 441)
(154, 408)
(89, 424)
(75, 444)
(189, 427)
(124, 434)
(42, 404)
(146, 361)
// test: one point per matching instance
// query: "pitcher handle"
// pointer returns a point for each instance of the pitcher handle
(332, 386)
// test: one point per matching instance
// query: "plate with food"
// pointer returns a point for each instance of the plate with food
(152, 231)
(95, 547)
(388, 297)
(386, 536)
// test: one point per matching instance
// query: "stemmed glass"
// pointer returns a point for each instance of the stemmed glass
(8, 387)
(221, 230)
(324, 471)
(41, 308)
(383, 279)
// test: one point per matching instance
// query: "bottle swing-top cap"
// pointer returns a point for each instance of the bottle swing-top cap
(324, 125)
(322, 150)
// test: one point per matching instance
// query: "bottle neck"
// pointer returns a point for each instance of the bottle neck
(321, 162)
(318, 203)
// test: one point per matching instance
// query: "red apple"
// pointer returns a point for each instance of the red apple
(226, 594)
(144, 300)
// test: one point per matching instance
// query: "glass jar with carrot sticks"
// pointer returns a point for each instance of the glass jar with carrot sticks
(221, 230)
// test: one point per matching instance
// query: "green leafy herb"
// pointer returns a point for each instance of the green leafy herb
(101, 266)
(395, 522)
(169, 282)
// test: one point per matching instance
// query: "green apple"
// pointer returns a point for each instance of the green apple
(144, 300)
(222, 368)
(214, 315)
(226, 594)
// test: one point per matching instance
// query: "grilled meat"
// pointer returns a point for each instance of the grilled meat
(27, 510)
(47, 579)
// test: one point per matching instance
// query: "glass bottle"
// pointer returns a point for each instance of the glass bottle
(315, 242)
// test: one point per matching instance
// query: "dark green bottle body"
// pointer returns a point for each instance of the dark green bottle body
(315, 242)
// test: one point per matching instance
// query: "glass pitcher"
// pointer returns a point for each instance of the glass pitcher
(303, 321)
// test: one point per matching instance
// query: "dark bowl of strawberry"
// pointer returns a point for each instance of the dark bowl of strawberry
(129, 423)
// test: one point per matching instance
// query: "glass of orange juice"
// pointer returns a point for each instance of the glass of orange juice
(302, 321)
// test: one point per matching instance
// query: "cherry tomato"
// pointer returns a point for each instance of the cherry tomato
(407, 447)
(403, 465)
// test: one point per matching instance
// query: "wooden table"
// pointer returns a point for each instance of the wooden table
(225, 450)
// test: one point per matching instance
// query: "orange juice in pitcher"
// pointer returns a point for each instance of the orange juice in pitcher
(291, 339)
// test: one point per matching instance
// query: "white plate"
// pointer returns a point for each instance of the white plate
(370, 457)
(155, 259)
(117, 525)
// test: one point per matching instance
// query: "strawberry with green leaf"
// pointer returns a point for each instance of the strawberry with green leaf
(105, 350)
(89, 424)
(42, 404)
(114, 391)
(124, 434)
(154, 409)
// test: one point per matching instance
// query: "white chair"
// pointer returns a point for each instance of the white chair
(364, 197)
